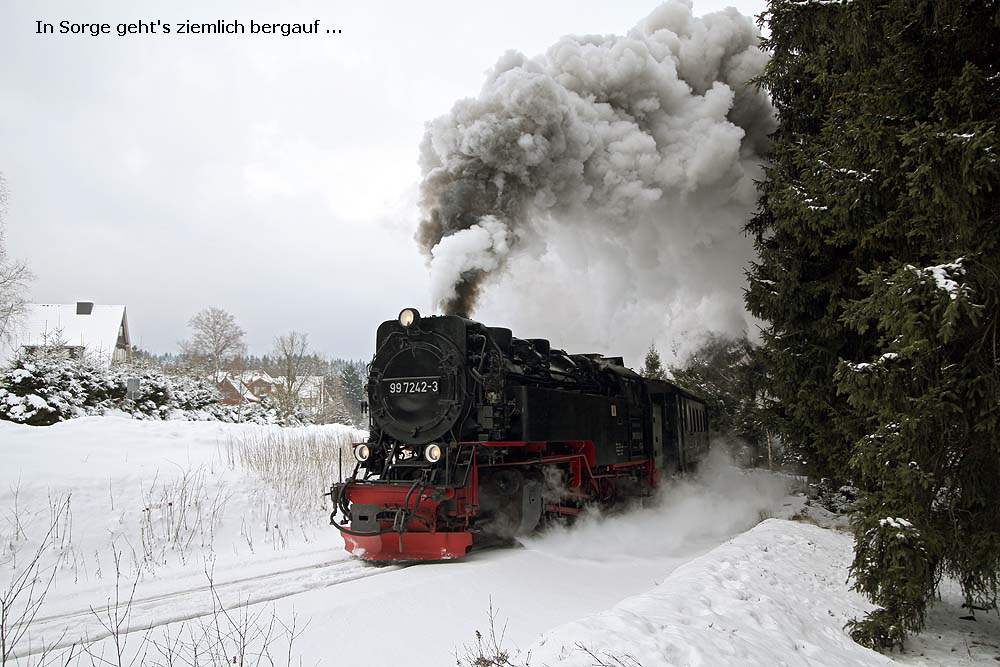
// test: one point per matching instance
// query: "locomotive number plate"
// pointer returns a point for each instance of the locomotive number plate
(419, 385)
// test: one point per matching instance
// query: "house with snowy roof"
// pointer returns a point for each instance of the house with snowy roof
(261, 383)
(233, 391)
(244, 387)
(314, 393)
(253, 385)
(83, 329)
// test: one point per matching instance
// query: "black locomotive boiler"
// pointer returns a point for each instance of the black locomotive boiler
(475, 433)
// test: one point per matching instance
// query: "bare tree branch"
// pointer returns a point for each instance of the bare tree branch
(297, 365)
(14, 279)
(216, 339)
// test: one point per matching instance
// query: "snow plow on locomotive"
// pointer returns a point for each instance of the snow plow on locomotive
(477, 434)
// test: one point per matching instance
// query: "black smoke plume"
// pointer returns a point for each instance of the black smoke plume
(615, 141)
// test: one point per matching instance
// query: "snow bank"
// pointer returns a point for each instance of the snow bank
(775, 595)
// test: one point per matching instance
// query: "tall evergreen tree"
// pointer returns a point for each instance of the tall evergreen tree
(652, 366)
(878, 238)
(336, 411)
(351, 379)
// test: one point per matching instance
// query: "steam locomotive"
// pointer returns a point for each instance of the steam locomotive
(476, 435)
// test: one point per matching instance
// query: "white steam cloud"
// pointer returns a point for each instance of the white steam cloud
(602, 187)
(688, 514)
(482, 248)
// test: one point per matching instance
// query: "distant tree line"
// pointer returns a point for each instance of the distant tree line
(217, 346)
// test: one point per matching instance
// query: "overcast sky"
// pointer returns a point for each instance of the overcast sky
(271, 176)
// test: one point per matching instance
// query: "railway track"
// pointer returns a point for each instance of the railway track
(58, 631)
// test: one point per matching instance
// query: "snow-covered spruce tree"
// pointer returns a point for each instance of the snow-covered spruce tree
(930, 467)
(190, 393)
(335, 410)
(807, 260)
(879, 274)
(352, 381)
(48, 386)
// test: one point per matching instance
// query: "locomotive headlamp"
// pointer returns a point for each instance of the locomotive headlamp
(408, 317)
(362, 452)
(432, 453)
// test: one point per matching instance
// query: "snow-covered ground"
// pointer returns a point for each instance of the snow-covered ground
(774, 595)
(163, 506)
(224, 551)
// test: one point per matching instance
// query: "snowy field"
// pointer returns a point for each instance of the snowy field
(181, 543)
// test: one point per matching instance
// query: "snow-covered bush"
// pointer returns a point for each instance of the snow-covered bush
(192, 393)
(264, 411)
(835, 497)
(161, 394)
(48, 387)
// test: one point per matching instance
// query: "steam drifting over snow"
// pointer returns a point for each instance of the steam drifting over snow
(719, 502)
(629, 157)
